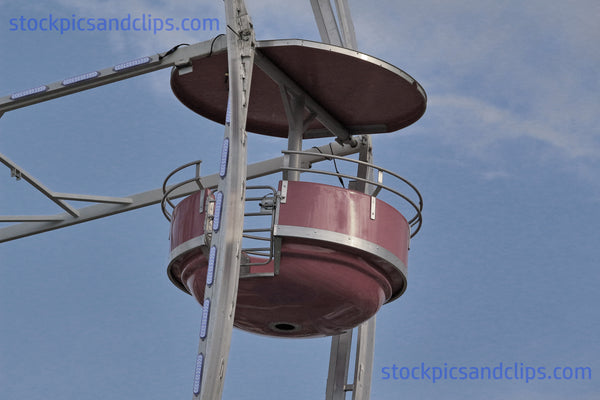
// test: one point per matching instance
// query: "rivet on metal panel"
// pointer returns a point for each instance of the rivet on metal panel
(373, 203)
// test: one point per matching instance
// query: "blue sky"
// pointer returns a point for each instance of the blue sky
(506, 157)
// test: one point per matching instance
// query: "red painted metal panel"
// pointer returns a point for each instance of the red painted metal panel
(187, 222)
(365, 94)
(336, 209)
(318, 292)
(323, 287)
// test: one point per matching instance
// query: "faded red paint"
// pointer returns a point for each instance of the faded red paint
(322, 288)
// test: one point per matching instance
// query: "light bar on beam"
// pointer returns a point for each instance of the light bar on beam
(79, 78)
(224, 158)
(28, 92)
(132, 63)
(210, 273)
(228, 112)
(198, 374)
(205, 315)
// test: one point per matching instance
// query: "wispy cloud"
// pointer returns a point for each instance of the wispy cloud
(496, 72)
(480, 125)
(499, 75)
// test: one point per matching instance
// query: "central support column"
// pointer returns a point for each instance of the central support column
(294, 110)
(220, 293)
(341, 345)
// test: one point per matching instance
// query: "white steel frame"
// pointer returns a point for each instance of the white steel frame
(243, 52)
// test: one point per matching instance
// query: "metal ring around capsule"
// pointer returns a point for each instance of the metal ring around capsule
(416, 220)
(167, 192)
(360, 162)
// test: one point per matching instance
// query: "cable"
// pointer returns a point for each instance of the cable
(213, 42)
(334, 164)
(172, 50)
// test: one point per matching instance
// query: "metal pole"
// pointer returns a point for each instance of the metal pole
(325, 19)
(339, 361)
(294, 109)
(341, 344)
(363, 368)
(221, 290)
(346, 26)
(51, 222)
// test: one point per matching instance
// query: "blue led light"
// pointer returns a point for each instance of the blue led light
(218, 209)
(228, 112)
(198, 373)
(79, 78)
(210, 273)
(28, 92)
(224, 158)
(132, 63)
(205, 314)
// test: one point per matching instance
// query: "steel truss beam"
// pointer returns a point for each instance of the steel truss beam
(40, 224)
(341, 345)
(242, 54)
(285, 82)
(328, 26)
(20, 173)
(220, 293)
(180, 57)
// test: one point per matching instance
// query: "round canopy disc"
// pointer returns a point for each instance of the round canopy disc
(365, 94)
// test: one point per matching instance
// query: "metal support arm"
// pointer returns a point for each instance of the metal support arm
(220, 293)
(284, 81)
(45, 223)
(179, 57)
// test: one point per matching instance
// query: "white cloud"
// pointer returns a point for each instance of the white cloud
(495, 72)
(499, 75)
(480, 124)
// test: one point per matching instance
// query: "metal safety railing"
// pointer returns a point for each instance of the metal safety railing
(374, 185)
(169, 190)
(258, 237)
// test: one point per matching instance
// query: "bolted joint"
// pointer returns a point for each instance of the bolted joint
(15, 173)
(246, 34)
(350, 140)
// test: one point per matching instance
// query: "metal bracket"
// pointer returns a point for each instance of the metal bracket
(283, 194)
(373, 204)
(283, 80)
(15, 173)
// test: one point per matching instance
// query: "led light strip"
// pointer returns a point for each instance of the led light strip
(210, 273)
(224, 158)
(228, 112)
(198, 374)
(28, 92)
(79, 78)
(132, 63)
(205, 315)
